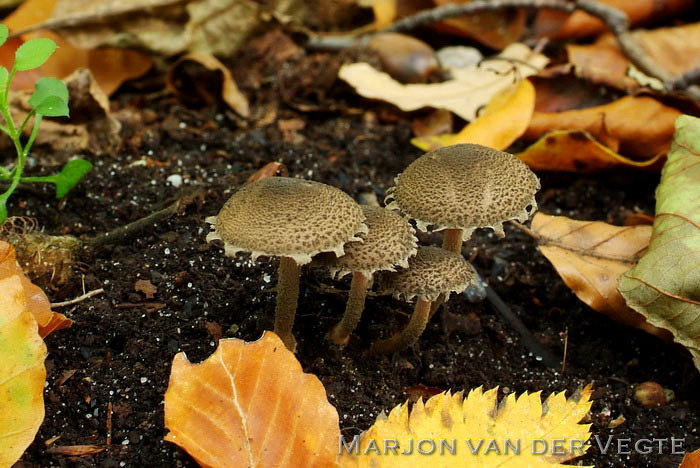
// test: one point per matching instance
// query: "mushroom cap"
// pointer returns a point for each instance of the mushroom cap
(389, 242)
(431, 272)
(287, 217)
(464, 187)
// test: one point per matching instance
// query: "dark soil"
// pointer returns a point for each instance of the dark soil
(120, 347)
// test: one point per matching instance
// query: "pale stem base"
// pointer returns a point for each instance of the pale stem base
(409, 335)
(287, 298)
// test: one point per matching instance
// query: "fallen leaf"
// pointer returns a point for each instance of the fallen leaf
(470, 88)
(622, 125)
(22, 374)
(576, 151)
(665, 284)
(250, 404)
(75, 450)
(434, 123)
(561, 91)
(110, 66)
(477, 423)
(146, 288)
(590, 256)
(36, 301)
(501, 122)
(691, 460)
(268, 170)
(189, 83)
(675, 49)
(560, 25)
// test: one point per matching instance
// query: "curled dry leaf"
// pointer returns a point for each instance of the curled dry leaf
(576, 151)
(676, 50)
(36, 301)
(665, 285)
(559, 25)
(503, 120)
(189, 83)
(22, 374)
(622, 125)
(250, 404)
(590, 256)
(110, 66)
(469, 90)
(479, 425)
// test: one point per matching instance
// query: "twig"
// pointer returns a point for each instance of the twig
(691, 77)
(528, 340)
(87, 295)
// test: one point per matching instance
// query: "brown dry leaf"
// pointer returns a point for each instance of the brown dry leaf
(576, 151)
(434, 123)
(250, 404)
(691, 460)
(37, 302)
(675, 49)
(624, 125)
(478, 427)
(75, 450)
(146, 288)
(503, 120)
(560, 25)
(590, 256)
(496, 29)
(561, 91)
(268, 170)
(164, 27)
(110, 66)
(91, 126)
(470, 89)
(185, 77)
(22, 373)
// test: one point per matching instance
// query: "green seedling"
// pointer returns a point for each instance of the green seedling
(49, 99)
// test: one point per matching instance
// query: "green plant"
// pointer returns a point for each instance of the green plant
(49, 99)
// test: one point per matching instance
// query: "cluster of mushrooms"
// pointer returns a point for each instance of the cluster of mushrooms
(455, 189)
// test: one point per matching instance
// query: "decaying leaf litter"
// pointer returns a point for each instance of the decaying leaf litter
(360, 151)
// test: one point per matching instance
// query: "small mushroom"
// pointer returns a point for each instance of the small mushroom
(432, 272)
(292, 219)
(389, 243)
(461, 187)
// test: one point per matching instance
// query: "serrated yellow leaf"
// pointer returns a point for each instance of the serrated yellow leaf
(449, 430)
(22, 372)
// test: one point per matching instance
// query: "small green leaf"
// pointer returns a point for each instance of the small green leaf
(33, 53)
(50, 98)
(52, 106)
(3, 79)
(4, 32)
(70, 175)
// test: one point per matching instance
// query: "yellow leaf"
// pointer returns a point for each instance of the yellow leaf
(503, 120)
(590, 256)
(477, 430)
(691, 460)
(22, 373)
(576, 151)
(250, 404)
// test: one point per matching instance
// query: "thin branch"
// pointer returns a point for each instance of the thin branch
(687, 79)
(87, 295)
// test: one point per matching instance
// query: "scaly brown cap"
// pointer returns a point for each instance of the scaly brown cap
(464, 187)
(389, 243)
(431, 272)
(287, 217)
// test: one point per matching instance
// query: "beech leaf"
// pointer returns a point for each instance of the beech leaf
(590, 256)
(22, 373)
(523, 420)
(665, 284)
(250, 404)
(691, 460)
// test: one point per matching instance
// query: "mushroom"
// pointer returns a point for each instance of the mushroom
(293, 219)
(461, 187)
(389, 242)
(432, 272)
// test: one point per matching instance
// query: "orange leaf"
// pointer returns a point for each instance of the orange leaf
(590, 256)
(37, 301)
(503, 120)
(110, 66)
(641, 126)
(22, 373)
(576, 152)
(250, 404)
(691, 460)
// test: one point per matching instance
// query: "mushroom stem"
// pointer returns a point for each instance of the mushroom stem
(409, 335)
(340, 334)
(287, 297)
(452, 240)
